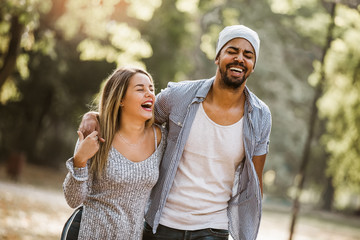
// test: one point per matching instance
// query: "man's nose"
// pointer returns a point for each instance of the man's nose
(239, 58)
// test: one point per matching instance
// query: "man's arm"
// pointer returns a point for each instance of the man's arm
(161, 109)
(259, 162)
(90, 123)
(262, 148)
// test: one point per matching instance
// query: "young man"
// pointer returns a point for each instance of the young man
(210, 181)
(211, 173)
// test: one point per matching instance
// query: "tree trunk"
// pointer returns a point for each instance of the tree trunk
(328, 195)
(16, 31)
(312, 121)
(15, 165)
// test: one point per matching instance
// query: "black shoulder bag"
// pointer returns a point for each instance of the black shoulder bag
(72, 226)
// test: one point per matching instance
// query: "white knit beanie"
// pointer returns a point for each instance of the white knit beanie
(238, 31)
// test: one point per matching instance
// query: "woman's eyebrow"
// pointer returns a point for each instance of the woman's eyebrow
(142, 85)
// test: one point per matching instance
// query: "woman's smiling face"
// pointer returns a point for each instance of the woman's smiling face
(139, 98)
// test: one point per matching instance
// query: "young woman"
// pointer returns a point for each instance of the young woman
(112, 180)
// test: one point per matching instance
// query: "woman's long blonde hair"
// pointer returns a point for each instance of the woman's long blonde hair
(109, 109)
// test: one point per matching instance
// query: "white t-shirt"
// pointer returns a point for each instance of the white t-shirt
(203, 183)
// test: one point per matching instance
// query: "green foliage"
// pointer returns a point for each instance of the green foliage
(56, 76)
(168, 34)
(103, 38)
(335, 149)
(28, 12)
(340, 104)
(43, 123)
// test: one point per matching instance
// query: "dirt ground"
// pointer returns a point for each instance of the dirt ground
(35, 208)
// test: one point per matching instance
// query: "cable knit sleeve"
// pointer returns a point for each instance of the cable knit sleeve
(77, 183)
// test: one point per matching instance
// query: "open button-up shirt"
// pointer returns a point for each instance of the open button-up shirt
(177, 106)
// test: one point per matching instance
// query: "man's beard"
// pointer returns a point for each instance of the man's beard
(233, 84)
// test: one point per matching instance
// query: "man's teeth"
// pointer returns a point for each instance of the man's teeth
(236, 69)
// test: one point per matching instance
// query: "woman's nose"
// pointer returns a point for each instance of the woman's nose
(149, 93)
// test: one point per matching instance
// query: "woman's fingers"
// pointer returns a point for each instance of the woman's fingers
(93, 135)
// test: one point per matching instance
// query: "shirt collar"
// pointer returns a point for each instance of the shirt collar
(252, 100)
(205, 88)
(249, 100)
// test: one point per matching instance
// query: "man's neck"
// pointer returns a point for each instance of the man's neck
(224, 106)
(226, 97)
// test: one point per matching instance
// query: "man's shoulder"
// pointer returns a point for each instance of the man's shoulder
(257, 103)
(185, 89)
(186, 84)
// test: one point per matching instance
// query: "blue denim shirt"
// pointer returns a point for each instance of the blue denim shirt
(177, 106)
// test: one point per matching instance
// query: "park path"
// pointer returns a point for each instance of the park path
(29, 213)
(38, 211)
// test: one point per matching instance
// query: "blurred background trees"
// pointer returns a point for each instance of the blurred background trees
(54, 54)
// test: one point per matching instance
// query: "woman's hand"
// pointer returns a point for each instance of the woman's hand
(87, 148)
(90, 123)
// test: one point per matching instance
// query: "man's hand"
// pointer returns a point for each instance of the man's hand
(89, 124)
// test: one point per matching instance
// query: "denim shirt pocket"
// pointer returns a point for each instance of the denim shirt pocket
(175, 126)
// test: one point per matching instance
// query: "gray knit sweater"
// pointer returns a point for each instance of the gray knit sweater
(114, 205)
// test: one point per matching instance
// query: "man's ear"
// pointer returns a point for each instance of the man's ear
(217, 60)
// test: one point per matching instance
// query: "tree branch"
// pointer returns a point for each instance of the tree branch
(312, 121)
(16, 31)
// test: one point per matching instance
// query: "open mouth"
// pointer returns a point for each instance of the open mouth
(147, 105)
(234, 69)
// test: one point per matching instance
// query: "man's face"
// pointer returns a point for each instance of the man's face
(236, 62)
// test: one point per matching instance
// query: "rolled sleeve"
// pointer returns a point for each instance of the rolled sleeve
(262, 146)
(79, 174)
